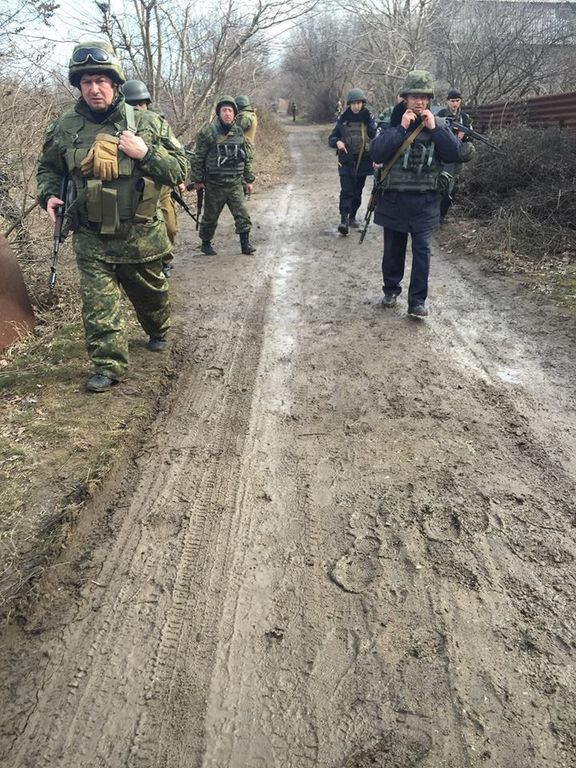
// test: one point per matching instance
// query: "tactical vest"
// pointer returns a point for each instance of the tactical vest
(248, 121)
(417, 169)
(355, 136)
(103, 205)
(227, 155)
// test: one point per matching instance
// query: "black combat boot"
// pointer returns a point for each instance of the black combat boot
(207, 248)
(157, 343)
(245, 243)
(343, 226)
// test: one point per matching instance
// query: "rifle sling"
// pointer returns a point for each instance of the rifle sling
(383, 172)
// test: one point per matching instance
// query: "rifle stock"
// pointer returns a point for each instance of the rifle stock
(372, 203)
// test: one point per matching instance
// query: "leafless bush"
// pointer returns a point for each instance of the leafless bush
(527, 194)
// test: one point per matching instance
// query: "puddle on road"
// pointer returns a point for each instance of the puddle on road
(509, 375)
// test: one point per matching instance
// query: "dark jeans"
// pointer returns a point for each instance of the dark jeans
(394, 259)
(351, 194)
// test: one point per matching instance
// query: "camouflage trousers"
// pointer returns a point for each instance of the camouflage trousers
(217, 195)
(101, 285)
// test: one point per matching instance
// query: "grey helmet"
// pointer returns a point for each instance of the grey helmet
(136, 92)
(92, 58)
(355, 94)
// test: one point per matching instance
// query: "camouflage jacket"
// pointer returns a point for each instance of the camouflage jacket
(138, 233)
(204, 161)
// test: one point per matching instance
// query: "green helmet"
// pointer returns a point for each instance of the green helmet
(223, 100)
(356, 94)
(418, 81)
(92, 58)
(136, 92)
(242, 102)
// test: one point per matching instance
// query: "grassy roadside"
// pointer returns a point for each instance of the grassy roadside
(58, 442)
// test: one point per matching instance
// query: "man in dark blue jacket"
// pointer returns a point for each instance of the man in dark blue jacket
(412, 187)
(350, 137)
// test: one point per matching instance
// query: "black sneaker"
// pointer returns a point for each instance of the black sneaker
(207, 248)
(157, 343)
(99, 383)
(389, 300)
(418, 310)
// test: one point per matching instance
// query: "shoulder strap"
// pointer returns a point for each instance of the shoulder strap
(130, 118)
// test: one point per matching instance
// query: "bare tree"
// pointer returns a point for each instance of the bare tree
(505, 50)
(187, 55)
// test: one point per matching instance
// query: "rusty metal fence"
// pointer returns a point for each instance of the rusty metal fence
(558, 110)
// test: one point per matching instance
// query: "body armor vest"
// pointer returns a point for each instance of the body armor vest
(248, 121)
(103, 205)
(417, 169)
(355, 136)
(227, 155)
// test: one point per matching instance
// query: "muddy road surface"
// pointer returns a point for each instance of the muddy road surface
(349, 539)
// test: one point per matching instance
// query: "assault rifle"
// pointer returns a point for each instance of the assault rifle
(177, 197)
(60, 231)
(372, 203)
(467, 131)
(199, 203)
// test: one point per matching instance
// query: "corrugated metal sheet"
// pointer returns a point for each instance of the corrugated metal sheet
(558, 110)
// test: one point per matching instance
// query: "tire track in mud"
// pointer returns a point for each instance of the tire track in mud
(198, 463)
(348, 546)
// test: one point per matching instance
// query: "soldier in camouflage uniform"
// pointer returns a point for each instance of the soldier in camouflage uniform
(137, 95)
(118, 160)
(222, 166)
(247, 120)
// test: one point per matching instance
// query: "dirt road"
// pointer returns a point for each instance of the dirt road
(349, 540)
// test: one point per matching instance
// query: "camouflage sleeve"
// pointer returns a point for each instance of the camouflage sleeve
(51, 167)
(249, 176)
(166, 160)
(199, 154)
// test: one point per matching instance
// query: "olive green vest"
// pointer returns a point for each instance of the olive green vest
(355, 136)
(227, 154)
(103, 205)
(417, 169)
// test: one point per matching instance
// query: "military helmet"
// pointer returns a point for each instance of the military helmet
(136, 92)
(355, 94)
(453, 93)
(94, 57)
(242, 102)
(418, 81)
(226, 100)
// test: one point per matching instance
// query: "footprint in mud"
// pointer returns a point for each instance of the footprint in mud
(359, 566)
(397, 749)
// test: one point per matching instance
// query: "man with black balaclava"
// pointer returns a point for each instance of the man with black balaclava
(350, 137)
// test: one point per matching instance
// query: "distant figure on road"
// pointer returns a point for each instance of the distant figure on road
(453, 109)
(350, 137)
(416, 144)
(293, 111)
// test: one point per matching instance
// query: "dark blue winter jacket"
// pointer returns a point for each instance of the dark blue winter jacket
(348, 129)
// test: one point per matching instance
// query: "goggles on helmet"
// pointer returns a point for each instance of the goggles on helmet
(98, 56)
